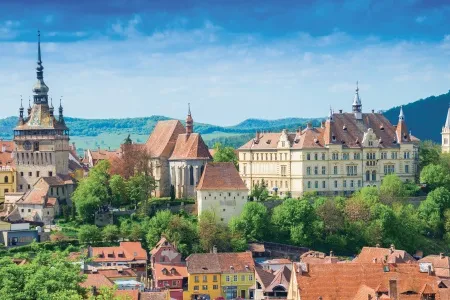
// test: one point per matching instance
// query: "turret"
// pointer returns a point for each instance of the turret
(189, 121)
(21, 110)
(402, 129)
(61, 116)
(29, 106)
(357, 106)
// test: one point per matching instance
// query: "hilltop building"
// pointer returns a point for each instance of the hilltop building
(178, 157)
(41, 158)
(222, 191)
(446, 134)
(348, 151)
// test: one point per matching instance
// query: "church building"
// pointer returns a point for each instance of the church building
(343, 154)
(41, 157)
(446, 134)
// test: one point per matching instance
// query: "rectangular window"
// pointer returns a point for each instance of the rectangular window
(50, 174)
(323, 184)
(215, 287)
(316, 170)
(335, 170)
(283, 170)
(335, 184)
(309, 184)
(37, 173)
(308, 156)
(196, 288)
(21, 174)
(214, 278)
(308, 170)
(323, 170)
(316, 156)
(30, 174)
(323, 156)
(205, 278)
(196, 279)
(227, 278)
(316, 184)
(351, 183)
(242, 277)
(204, 287)
(345, 183)
(389, 169)
(250, 277)
(406, 168)
(235, 278)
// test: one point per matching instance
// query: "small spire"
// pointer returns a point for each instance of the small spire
(401, 116)
(51, 108)
(39, 68)
(29, 106)
(189, 122)
(61, 117)
(357, 87)
(330, 114)
(21, 108)
(21, 102)
(51, 102)
(357, 106)
(189, 109)
(447, 120)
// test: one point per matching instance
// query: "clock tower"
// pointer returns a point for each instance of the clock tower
(42, 140)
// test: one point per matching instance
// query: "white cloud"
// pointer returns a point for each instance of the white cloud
(158, 74)
(127, 29)
(9, 29)
(421, 19)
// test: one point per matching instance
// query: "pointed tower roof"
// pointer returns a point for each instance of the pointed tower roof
(357, 99)
(330, 115)
(402, 130)
(189, 121)
(401, 116)
(447, 120)
(40, 89)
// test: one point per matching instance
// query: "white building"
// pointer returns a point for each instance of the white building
(221, 190)
(348, 151)
(446, 134)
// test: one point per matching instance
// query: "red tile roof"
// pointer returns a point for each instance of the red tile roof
(7, 156)
(190, 146)
(345, 281)
(221, 176)
(163, 138)
(127, 251)
(384, 255)
(441, 264)
(126, 295)
(97, 280)
(207, 263)
(172, 271)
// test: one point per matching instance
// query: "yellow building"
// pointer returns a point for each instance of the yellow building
(203, 276)
(238, 274)
(228, 275)
(7, 171)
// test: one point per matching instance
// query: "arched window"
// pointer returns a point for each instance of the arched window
(374, 176)
(367, 175)
(191, 175)
(6, 179)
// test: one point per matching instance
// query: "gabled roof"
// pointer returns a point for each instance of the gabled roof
(239, 262)
(97, 280)
(40, 118)
(383, 255)
(282, 277)
(203, 263)
(127, 251)
(441, 264)
(163, 138)
(7, 156)
(221, 176)
(190, 146)
(174, 271)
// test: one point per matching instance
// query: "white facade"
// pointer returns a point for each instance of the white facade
(224, 203)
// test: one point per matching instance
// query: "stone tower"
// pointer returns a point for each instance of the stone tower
(42, 141)
(446, 134)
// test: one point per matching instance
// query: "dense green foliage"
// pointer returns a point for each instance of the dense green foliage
(49, 276)
(225, 154)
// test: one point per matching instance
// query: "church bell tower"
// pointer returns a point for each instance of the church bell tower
(446, 134)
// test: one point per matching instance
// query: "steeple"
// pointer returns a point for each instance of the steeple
(357, 106)
(330, 115)
(40, 89)
(447, 121)
(51, 109)
(29, 106)
(21, 109)
(446, 133)
(61, 116)
(401, 116)
(189, 121)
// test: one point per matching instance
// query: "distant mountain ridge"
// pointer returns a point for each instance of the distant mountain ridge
(424, 118)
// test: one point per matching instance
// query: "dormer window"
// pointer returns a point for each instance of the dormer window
(173, 271)
(164, 271)
(344, 128)
(333, 138)
(268, 141)
(381, 127)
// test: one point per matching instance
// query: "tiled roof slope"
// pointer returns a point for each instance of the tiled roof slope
(383, 255)
(190, 146)
(40, 118)
(6, 157)
(203, 263)
(345, 281)
(346, 130)
(221, 176)
(240, 262)
(163, 138)
(441, 264)
(127, 251)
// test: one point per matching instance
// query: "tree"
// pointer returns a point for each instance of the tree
(89, 234)
(225, 154)
(110, 233)
(93, 192)
(47, 276)
(133, 160)
(259, 191)
(212, 233)
(172, 192)
(140, 187)
(392, 189)
(252, 223)
(429, 153)
(331, 215)
(157, 226)
(118, 191)
(183, 233)
(435, 176)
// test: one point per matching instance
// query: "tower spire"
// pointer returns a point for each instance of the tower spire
(401, 116)
(40, 89)
(447, 121)
(51, 108)
(29, 106)
(189, 121)
(61, 117)
(357, 106)
(330, 114)
(21, 108)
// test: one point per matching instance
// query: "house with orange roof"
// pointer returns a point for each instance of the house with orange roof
(222, 191)
(357, 281)
(127, 254)
(93, 157)
(440, 264)
(270, 283)
(171, 276)
(164, 252)
(384, 255)
(348, 151)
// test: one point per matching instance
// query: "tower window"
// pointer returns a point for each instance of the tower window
(50, 173)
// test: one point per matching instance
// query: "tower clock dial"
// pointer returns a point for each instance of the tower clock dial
(27, 145)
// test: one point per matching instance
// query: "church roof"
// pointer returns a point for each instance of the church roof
(41, 118)
(221, 176)
(190, 146)
(164, 137)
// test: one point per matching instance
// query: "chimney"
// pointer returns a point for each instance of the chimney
(73, 146)
(377, 245)
(373, 110)
(331, 253)
(214, 249)
(430, 272)
(393, 289)
(340, 111)
(3, 148)
(441, 255)
(391, 249)
(374, 260)
(369, 297)
(258, 136)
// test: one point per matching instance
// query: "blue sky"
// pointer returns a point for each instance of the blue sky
(231, 60)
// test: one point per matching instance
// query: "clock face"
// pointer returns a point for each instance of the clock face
(27, 145)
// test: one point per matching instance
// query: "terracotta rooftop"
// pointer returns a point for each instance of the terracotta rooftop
(40, 118)
(203, 263)
(154, 295)
(384, 255)
(441, 264)
(190, 146)
(239, 262)
(163, 138)
(97, 280)
(126, 295)
(127, 251)
(315, 257)
(7, 156)
(221, 176)
(270, 279)
(167, 271)
(346, 281)
(344, 129)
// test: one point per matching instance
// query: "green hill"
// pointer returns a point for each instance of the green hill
(424, 117)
